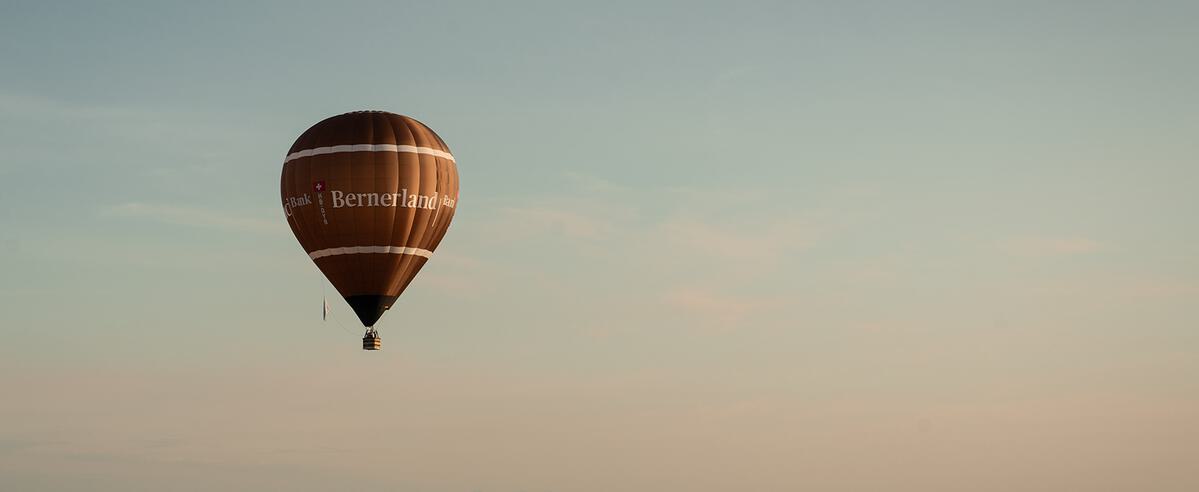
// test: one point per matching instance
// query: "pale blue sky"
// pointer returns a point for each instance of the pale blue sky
(768, 246)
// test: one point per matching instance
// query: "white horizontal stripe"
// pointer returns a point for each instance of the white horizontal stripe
(354, 250)
(336, 149)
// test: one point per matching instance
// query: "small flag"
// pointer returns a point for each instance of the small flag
(325, 311)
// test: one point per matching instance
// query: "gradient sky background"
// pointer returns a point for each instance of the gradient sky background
(849, 246)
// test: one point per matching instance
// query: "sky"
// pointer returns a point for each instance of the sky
(705, 246)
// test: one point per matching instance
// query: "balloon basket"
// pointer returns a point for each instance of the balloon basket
(371, 341)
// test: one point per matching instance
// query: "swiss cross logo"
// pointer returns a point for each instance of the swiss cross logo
(318, 186)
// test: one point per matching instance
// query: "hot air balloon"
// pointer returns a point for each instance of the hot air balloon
(369, 195)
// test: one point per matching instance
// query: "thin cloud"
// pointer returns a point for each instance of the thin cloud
(192, 217)
(696, 259)
(717, 307)
(726, 239)
(1050, 246)
(571, 223)
(29, 105)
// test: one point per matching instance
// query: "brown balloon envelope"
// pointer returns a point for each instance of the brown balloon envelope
(369, 195)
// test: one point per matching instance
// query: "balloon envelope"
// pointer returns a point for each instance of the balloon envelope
(369, 195)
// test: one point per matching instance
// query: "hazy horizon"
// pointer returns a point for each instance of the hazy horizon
(915, 246)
